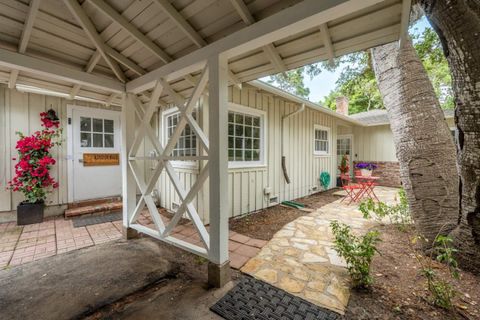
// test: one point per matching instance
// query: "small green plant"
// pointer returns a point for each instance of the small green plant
(398, 214)
(358, 252)
(445, 253)
(440, 288)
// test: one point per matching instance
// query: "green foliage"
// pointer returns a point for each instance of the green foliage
(358, 252)
(446, 253)
(325, 180)
(357, 79)
(344, 168)
(441, 290)
(398, 214)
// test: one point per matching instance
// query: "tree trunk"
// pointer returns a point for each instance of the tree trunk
(425, 148)
(457, 23)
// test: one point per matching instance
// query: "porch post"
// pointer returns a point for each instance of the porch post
(219, 265)
(128, 180)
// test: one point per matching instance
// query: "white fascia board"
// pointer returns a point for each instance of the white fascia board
(298, 18)
(269, 88)
(45, 68)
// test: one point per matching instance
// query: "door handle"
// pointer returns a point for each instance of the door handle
(80, 160)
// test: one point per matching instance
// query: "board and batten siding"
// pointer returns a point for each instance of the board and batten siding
(20, 111)
(374, 143)
(247, 185)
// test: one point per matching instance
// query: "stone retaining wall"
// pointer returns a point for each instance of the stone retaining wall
(388, 171)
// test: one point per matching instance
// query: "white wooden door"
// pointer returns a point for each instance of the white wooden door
(344, 147)
(95, 131)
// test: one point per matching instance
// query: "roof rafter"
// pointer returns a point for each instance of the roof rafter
(131, 29)
(139, 36)
(26, 32)
(181, 22)
(269, 49)
(327, 42)
(91, 31)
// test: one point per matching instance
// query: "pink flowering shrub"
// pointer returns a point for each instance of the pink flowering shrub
(32, 171)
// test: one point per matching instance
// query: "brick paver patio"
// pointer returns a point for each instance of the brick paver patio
(22, 244)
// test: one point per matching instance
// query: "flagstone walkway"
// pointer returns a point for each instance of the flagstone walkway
(300, 258)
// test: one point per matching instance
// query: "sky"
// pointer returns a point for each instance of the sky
(322, 84)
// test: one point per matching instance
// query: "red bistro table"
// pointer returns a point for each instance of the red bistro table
(368, 184)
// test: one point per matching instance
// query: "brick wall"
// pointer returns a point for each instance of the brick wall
(388, 171)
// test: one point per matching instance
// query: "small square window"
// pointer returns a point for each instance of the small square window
(85, 139)
(97, 125)
(85, 124)
(98, 140)
(321, 141)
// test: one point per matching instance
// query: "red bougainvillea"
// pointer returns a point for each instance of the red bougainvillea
(32, 171)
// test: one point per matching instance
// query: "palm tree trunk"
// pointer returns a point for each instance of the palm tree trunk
(457, 23)
(425, 148)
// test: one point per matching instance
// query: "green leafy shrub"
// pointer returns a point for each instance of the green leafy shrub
(398, 214)
(440, 288)
(358, 252)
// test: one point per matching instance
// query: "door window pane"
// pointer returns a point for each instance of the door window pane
(97, 125)
(85, 124)
(108, 126)
(98, 140)
(85, 139)
(108, 141)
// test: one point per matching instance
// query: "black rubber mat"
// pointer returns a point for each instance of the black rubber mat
(88, 221)
(255, 299)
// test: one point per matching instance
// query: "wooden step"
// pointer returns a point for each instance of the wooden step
(106, 207)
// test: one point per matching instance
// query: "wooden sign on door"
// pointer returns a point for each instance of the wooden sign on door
(101, 159)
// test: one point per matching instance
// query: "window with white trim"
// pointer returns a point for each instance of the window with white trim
(321, 144)
(245, 135)
(187, 143)
(96, 133)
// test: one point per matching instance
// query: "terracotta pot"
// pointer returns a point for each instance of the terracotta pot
(29, 213)
(366, 172)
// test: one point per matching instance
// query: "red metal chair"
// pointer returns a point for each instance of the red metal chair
(353, 190)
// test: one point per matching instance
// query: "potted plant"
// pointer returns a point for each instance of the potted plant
(366, 168)
(344, 168)
(32, 171)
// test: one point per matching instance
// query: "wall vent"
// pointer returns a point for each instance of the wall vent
(273, 200)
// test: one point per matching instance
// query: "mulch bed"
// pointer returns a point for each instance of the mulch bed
(399, 291)
(265, 223)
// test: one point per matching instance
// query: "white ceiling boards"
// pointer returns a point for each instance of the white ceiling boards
(96, 49)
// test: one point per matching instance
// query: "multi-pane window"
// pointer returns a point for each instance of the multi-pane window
(321, 141)
(244, 137)
(96, 133)
(187, 143)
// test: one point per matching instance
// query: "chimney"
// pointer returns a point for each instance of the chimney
(342, 105)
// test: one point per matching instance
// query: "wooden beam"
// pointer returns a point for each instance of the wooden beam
(131, 29)
(269, 49)
(180, 21)
(298, 18)
(327, 42)
(243, 11)
(28, 26)
(92, 33)
(89, 68)
(26, 32)
(13, 60)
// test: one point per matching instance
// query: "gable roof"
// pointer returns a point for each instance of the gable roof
(380, 117)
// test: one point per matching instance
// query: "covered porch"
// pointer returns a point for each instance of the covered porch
(146, 55)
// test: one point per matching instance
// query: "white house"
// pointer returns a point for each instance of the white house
(265, 124)
(146, 55)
